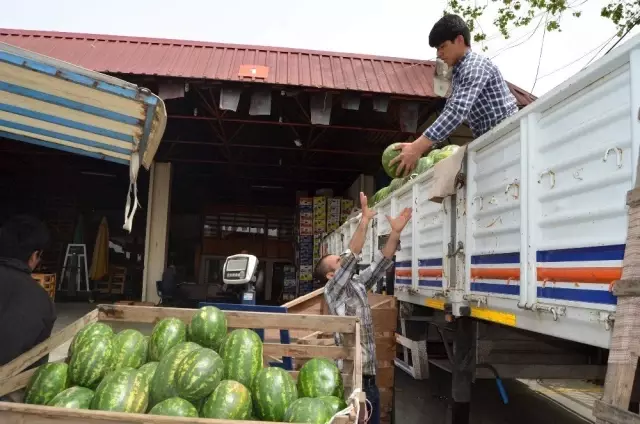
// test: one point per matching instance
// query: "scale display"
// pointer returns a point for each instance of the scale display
(237, 264)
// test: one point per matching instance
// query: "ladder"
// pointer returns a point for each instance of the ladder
(625, 340)
(75, 260)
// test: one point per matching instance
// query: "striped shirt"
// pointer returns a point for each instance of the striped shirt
(346, 295)
(480, 96)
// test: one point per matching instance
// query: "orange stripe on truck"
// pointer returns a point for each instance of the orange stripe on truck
(593, 275)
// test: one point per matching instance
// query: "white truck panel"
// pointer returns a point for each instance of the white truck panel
(537, 234)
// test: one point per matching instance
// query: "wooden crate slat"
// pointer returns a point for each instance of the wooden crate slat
(308, 351)
(234, 319)
(15, 413)
(28, 358)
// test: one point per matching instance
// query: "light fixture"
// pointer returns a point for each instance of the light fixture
(297, 142)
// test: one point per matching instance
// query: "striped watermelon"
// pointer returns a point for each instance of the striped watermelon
(308, 410)
(208, 327)
(148, 370)
(334, 404)
(163, 382)
(48, 380)
(89, 333)
(273, 392)
(129, 350)
(387, 156)
(75, 397)
(230, 400)
(166, 334)
(320, 377)
(122, 391)
(198, 374)
(175, 407)
(90, 361)
(242, 356)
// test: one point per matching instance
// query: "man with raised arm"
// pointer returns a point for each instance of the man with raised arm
(346, 293)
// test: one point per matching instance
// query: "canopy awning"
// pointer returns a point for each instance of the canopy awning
(51, 103)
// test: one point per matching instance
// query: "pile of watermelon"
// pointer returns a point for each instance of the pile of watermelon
(195, 370)
(423, 165)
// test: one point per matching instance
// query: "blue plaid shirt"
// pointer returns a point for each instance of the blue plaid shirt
(480, 95)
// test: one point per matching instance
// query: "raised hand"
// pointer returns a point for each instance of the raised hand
(367, 213)
(398, 223)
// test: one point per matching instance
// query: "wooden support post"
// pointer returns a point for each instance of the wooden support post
(624, 348)
(463, 370)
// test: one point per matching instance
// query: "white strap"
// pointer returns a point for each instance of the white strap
(353, 405)
(129, 210)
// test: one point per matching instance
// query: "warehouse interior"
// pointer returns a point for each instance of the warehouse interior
(250, 139)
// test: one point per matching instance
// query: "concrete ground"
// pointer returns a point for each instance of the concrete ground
(428, 401)
(417, 402)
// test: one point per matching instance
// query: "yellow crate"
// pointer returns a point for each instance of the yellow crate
(48, 282)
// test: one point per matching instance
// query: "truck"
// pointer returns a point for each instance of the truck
(528, 246)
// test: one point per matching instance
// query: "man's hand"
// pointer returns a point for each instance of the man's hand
(398, 223)
(410, 155)
(367, 214)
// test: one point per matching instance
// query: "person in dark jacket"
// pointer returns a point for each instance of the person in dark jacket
(27, 314)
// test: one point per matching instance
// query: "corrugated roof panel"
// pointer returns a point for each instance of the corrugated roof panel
(189, 59)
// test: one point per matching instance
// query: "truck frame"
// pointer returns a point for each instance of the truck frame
(513, 273)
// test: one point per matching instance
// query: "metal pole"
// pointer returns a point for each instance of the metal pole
(464, 365)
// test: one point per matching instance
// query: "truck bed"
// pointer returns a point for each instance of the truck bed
(537, 235)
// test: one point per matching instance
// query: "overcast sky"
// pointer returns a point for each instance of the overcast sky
(396, 28)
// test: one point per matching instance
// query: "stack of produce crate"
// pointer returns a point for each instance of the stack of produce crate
(290, 289)
(346, 207)
(305, 245)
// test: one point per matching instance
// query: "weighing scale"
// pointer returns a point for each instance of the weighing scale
(241, 269)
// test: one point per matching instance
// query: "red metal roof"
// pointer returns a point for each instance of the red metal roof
(192, 59)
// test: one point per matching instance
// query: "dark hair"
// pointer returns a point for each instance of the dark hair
(447, 29)
(321, 270)
(22, 235)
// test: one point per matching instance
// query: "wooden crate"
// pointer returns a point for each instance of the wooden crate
(48, 282)
(13, 377)
(384, 310)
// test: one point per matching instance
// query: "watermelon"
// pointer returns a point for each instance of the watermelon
(48, 380)
(308, 410)
(381, 194)
(163, 382)
(166, 334)
(441, 155)
(129, 350)
(387, 156)
(198, 374)
(396, 183)
(242, 356)
(122, 390)
(273, 392)
(208, 327)
(334, 404)
(88, 333)
(450, 148)
(320, 377)
(175, 407)
(75, 397)
(424, 164)
(90, 361)
(230, 400)
(148, 370)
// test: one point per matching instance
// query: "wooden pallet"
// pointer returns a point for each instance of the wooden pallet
(625, 346)
(385, 312)
(13, 377)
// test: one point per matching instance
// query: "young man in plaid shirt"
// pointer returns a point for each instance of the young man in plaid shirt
(346, 293)
(479, 94)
